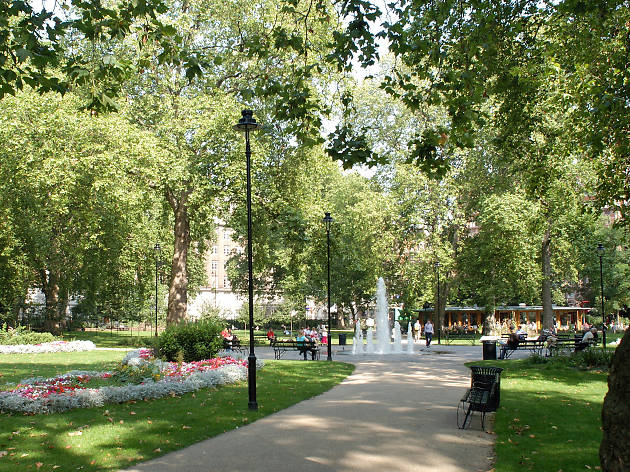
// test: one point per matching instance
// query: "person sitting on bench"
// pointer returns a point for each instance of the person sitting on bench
(512, 343)
(301, 341)
(588, 339)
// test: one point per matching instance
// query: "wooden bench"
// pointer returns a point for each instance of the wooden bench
(234, 345)
(483, 396)
(450, 336)
(303, 347)
(535, 346)
(567, 344)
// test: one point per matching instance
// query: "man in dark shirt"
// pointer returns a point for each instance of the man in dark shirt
(512, 343)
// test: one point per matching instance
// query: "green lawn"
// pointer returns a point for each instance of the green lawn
(550, 417)
(111, 338)
(15, 367)
(119, 435)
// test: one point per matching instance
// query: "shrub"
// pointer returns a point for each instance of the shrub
(21, 335)
(593, 357)
(195, 341)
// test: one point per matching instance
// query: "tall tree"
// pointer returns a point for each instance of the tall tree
(71, 184)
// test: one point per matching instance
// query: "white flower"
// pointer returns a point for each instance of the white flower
(55, 346)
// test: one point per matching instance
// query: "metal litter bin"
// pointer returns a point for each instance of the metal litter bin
(342, 339)
(489, 350)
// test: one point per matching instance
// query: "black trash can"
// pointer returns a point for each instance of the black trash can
(342, 339)
(489, 350)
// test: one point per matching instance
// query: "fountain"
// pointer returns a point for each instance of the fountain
(383, 344)
(357, 344)
(369, 346)
(397, 347)
(410, 340)
(382, 319)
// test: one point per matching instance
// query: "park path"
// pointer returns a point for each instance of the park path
(394, 413)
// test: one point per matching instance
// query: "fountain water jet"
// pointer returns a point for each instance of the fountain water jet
(397, 347)
(369, 346)
(383, 345)
(357, 344)
(382, 319)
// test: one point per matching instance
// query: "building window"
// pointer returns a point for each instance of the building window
(226, 250)
(226, 235)
(226, 282)
(214, 265)
(215, 249)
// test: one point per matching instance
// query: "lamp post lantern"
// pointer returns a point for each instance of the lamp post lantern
(437, 307)
(157, 250)
(328, 220)
(600, 253)
(246, 124)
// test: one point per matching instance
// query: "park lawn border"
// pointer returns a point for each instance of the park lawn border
(549, 418)
(116, 436)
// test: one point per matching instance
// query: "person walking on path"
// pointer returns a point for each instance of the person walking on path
(428, 332)
(417, 330)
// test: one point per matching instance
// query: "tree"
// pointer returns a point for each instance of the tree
(498, 265)
(66, 175)
(613, 452)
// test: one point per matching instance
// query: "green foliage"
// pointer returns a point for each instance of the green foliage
(22, 335)
(195, 341)
(592, 358)
(126, 374)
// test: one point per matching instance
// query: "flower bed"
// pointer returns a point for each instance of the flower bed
(54, 346)
(160, 379)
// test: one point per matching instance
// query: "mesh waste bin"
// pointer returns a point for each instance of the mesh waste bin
(342, 339)
(489, 350)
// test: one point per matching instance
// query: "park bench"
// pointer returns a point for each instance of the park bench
(483, 395)
(535, 346)
(233, 345)
(450, 336)
(280, 347)
(567, 344)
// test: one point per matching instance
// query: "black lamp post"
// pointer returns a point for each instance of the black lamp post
(437, 308)
(157, 250)
(600, 253)
(328, 220)
(246, 124)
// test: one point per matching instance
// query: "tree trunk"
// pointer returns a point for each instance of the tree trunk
(614, 451)
(178, 288)
(547, 311)
(489, 321)
(50, 287)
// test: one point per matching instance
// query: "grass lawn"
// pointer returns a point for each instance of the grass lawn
(15, 367)
(550, 417)
(111, 338)
(119, 435)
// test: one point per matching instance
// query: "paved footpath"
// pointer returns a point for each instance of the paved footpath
(394, 413)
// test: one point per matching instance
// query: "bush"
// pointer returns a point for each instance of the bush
(21, 335)
(593, 357)
(195, 341)
(588, 359)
